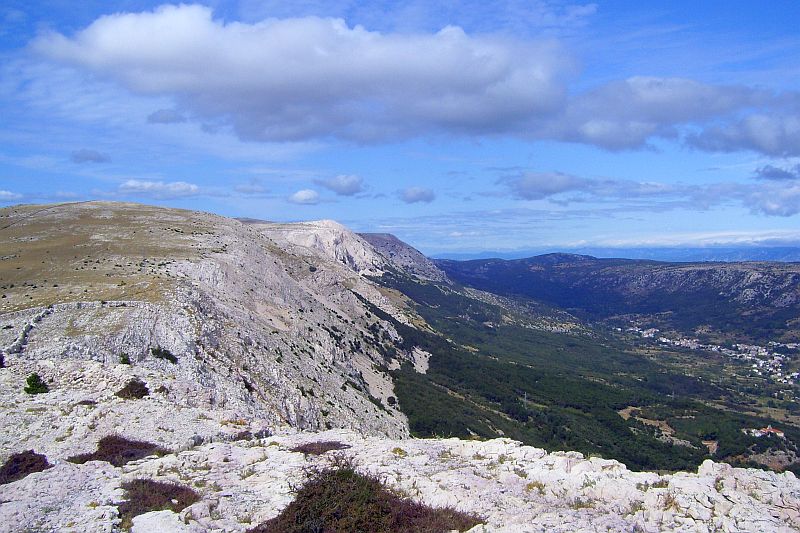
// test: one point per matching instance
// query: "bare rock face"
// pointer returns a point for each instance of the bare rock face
(405, 257)
(330, 240)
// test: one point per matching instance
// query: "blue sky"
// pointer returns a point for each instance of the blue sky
(459, 126)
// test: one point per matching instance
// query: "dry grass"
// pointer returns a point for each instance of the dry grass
(339, 499)
(68, 253)
(119, 451)
(318, 448)
(21, 464)
(145, 495)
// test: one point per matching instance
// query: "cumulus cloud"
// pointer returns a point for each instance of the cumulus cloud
(305, 197)
(771, 172)
(343, 185)
(299, 78)
(89, 156)
(776, 135)
(413, 195)
(165, 116)
(159, 190)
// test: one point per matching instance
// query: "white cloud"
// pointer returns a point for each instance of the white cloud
(312, 78)
(343, 185)
(771, 197)
(302, 78)
(305, 197)
(414, 195)
(159, 190)
(541, 185)
(8, 195)
(625, 114)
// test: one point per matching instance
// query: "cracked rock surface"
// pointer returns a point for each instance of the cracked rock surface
(514, 487)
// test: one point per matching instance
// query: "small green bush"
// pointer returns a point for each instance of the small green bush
(35, 385)
(339, 500)
(163, 353)
(124, 359)
(21, 464)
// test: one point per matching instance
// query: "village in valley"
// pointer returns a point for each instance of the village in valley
(774, 364)
(766, 361)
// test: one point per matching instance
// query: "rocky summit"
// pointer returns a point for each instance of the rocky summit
(204, 352)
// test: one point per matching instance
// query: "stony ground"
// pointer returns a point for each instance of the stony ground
(516, 488)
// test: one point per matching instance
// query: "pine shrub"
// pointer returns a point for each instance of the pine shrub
(35, 385)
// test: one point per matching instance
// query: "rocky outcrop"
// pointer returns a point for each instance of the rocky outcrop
(330, 240)
(405, 257)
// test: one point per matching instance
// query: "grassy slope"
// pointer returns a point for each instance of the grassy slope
(64, 253)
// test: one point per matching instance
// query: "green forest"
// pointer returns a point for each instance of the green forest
(491, 375)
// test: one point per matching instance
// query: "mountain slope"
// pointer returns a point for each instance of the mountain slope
(404, 257)
(259, 329)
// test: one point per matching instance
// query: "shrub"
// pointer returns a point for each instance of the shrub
(35, 385)
(125, 359)
(145, 495)
(318, 448)
(21, 464)
(135, 389)
(339, 499)
(163, 353)
(119, 451)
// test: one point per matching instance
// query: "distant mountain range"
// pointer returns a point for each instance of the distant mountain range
(754, 300)
(688, 254)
